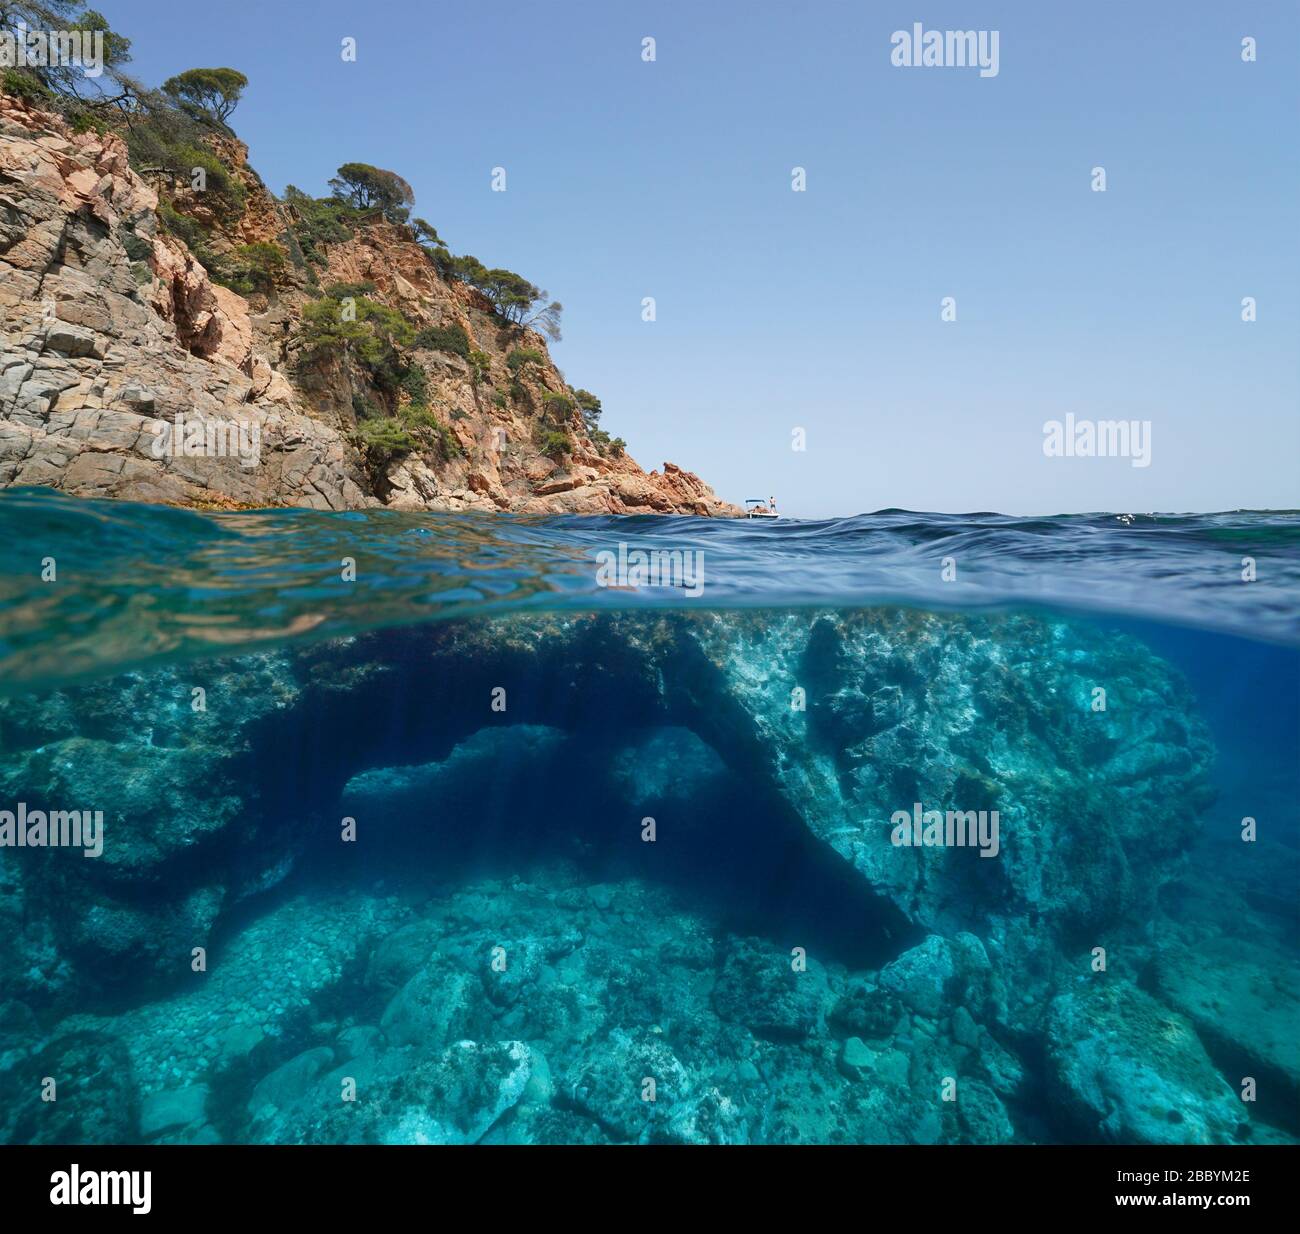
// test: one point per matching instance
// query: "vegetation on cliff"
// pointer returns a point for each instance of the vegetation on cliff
(348, 312)
(62, 84)
(214, 93)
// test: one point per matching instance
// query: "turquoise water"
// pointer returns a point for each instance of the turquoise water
(415, 831)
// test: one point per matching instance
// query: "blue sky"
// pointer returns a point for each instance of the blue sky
(821, 310)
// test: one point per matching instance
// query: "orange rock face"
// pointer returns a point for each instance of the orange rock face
(109, 323)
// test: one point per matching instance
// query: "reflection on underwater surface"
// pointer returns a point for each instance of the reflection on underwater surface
(631, 875)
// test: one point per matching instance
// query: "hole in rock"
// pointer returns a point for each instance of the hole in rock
(509, 799)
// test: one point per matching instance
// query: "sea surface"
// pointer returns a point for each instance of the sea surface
(429, 828)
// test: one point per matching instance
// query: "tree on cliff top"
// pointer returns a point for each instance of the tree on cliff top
(435, 248)
(372, 188)
(213, 92)
(59, 77)
(590, 406)
(513, 296)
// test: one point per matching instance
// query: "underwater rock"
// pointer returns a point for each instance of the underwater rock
(96, 1100)
(982, 1117)
(919, 976)
(1242, 996)
(172, 1110)
(357, 1042)
(453, 1098)
(615, 1001)
(430, 1010)
(971, 714)
(401, 955)
(633, 1086)
(289, 1084)
(19, 1034)
(600, 972)
(866, 1010)
(760, 988)
(1001, 1069)
(857, 1059)
(1130, 1070)
(953, 711)
(964, 1030)
(244, 1012)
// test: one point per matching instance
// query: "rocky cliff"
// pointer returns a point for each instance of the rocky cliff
(111, 327)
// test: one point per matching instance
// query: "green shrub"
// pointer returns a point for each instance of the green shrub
(373, 333)
(445, 443)
(220, 181)
(452, 339)
(439, 255)
(480, 364)
(430, 429)
(608, 446)
(384, 439)
(512, 296)
(556, 407)
(349, 291)
(323, 328)
(162, 140)
(193, 233)
(317, 223)
(24, 85)
(416, 383)
(251, 267)
(85, 122)
(157, 130)
(415, 415)
(500, 400)
(555, 444)
(519, 359)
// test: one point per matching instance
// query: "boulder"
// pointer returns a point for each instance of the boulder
(172, 1109)
(1129, 1070)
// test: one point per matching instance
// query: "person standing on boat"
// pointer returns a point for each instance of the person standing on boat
(771, 504)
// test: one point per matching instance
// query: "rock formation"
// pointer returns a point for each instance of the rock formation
(110, 328)
(920, 967)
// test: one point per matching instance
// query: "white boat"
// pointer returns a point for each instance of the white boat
(756, 507)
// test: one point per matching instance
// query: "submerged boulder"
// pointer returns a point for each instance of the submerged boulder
(762, 988)
(920, 977)
(1129, 1070)
(1243, 997)
(453, 1098)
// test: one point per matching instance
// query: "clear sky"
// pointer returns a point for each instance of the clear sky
(820, 310)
